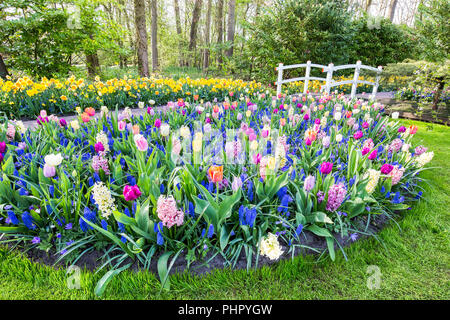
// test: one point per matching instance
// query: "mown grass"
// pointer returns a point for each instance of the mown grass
(414, 261)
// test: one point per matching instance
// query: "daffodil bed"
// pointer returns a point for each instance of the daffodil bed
(251, 177)
(25, 97)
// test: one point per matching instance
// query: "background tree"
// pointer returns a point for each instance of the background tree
(141, 36)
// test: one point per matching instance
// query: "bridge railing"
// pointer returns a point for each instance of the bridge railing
(329, 82)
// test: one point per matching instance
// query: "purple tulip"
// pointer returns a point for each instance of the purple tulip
(326, 167)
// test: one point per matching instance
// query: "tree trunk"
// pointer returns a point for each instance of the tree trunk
(368, 4)
(219, 27)
(3, 69)
(207, 36)
(392, 8)
(154, 27)
(231, 26)
(92, 64)
(179, 31)
(141, 37)
(194, 27)
(438, 92)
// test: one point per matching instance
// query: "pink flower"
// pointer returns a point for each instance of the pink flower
(141, 142)
(122, 125)
(396, 174)
(2, 147)
(386, 168)
(306, 117)
(336, 195)
(157, 123)
(358, 135)
(99, 147)
(49, 171)
(402, 129)
(63, 123)
(257, 158)
(373, 154)
(309, 183)
(168, 212)
(131, 193)
(98, 162)
(365, 125)
(419, 150)
(326, 167)
(365, 151)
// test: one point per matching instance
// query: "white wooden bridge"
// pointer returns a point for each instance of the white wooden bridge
(329, 82)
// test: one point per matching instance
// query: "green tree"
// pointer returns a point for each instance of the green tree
(433, 27)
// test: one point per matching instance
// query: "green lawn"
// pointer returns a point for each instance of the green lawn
(414, 265)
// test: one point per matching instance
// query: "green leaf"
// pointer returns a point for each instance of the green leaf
(13, 229)
(163, 272)
(111, 236)
(319, 231)
(330, 245)
(103, 282)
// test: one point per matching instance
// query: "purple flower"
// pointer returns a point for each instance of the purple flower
(326, 167)
(36, 240)
(99, 147)
(386, 168)
(2, 147)
(336, 195)
(68, 226)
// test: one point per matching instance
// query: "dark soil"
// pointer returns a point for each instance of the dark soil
(92, 260)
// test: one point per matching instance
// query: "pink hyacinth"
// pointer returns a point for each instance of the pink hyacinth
(368, 144)
(396, 174)
(419, 150)
(131, 193)
(395, 145)
(168, 212)
(10, 132)
(336, 195)
(98, 162)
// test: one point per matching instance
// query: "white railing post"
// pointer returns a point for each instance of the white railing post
(355, 80)
(280, 78)
(308, 71)
(375, 87)
(329, 78)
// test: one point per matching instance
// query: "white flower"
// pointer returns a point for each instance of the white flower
(405, 147)
(339, 138)
(424, 158)
(185, 132)
(102, 197)
(53, 160)
(374, 176)
(395, 115)
(165, 129)
(141, 104)
(337, 116)
(75, 125)
(152, 102)
(270, 247)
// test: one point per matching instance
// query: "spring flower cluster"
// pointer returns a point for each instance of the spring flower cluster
(225, 170)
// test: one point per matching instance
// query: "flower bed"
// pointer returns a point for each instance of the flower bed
(421, 95)
(26, 97)
(241, 177)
